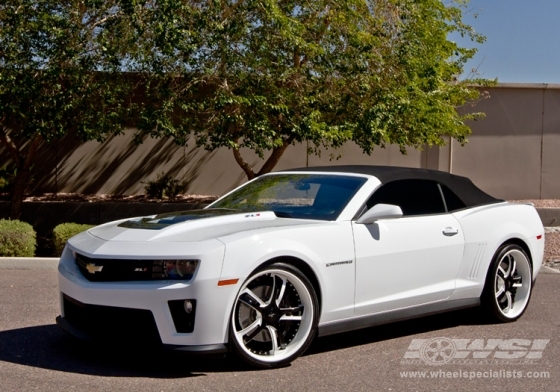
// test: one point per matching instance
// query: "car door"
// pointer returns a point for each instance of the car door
(411, 260)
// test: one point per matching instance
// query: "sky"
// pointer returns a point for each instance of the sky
(522, 40)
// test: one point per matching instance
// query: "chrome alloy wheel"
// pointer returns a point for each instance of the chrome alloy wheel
(508, 284)
(274, 316)
(512, 283)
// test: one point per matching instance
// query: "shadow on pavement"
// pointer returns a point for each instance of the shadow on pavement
(46, 346)
(471, 316)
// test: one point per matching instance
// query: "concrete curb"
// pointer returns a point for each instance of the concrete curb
(550, 216)
(28, 263)
(548, 270)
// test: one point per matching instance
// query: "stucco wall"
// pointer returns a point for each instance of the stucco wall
(513, 153)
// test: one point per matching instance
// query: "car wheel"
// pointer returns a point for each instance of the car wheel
(274, 317)
(509, 283)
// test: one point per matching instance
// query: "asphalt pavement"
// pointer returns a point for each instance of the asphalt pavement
(35, 355)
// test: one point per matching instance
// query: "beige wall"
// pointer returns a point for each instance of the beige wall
(550, 174)
(513, 153)
(504, 151)
(120, 166)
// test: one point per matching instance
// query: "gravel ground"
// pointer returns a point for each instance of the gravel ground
(551, 203)
(552, 234)
(58, 197)
(552, 247)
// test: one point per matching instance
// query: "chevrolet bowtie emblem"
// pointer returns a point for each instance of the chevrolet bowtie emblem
(92, 268)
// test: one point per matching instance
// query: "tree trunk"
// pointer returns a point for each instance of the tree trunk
(274, 158)
(243, 164)
(18, 193)
(23, 174)
(269, 164)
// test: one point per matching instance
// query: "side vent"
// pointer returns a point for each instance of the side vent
(477, 261)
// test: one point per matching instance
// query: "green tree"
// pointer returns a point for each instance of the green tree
(61, 66)
(267, 74)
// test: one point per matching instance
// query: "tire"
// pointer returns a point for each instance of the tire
(509, 284)
(274, 317)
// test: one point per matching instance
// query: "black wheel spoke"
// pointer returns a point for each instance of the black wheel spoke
(502, 272)
(281, 291)
(517, 281)
(508, 302)
(273, 339)
(272, 291)
(295, 309)
(253, 334)
(250, 299)
(281, 342)
(500, 295)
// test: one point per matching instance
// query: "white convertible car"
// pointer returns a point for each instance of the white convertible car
(300, 253)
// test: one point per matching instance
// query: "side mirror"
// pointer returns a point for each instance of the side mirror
(380, 211)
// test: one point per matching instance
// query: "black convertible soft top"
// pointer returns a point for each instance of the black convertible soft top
(463, 187)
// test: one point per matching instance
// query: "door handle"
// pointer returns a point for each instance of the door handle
(450, 231)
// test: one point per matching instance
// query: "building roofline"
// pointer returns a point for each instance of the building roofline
(540, 86)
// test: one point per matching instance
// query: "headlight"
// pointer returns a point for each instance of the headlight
(179, 269)
(119, 270)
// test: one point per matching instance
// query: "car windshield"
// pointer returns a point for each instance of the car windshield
(306, 196)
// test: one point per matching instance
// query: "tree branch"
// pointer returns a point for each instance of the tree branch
(31, 150)
(227, 13)
(273, 159)
(322, 32)
(242, 163)
(99, 22)
(297, 58)
(9, 144)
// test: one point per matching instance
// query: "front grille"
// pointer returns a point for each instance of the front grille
(118, 270)
(112, 323)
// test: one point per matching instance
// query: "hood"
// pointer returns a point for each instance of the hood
(190, 226)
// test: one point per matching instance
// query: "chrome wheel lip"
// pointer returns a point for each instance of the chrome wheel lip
(305, 325)
(512, 284)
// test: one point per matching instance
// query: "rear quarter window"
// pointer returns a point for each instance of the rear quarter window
(452, 201)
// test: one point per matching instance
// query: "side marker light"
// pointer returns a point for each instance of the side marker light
(227, 282)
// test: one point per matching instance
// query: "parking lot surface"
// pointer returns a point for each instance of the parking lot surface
(457, 351)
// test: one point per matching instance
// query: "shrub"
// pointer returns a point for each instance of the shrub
(163, 187)
(64, 232)
(7, 177)
(17, 239)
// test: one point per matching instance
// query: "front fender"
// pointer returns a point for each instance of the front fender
(321, 247)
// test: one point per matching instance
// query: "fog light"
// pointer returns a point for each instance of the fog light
(183, 312)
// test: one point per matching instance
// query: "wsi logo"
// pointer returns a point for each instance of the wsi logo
(440, 351)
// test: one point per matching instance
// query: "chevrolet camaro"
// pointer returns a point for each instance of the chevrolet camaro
(297, 254)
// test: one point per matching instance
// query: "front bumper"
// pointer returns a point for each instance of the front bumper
(209, 349)
(140, 311)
